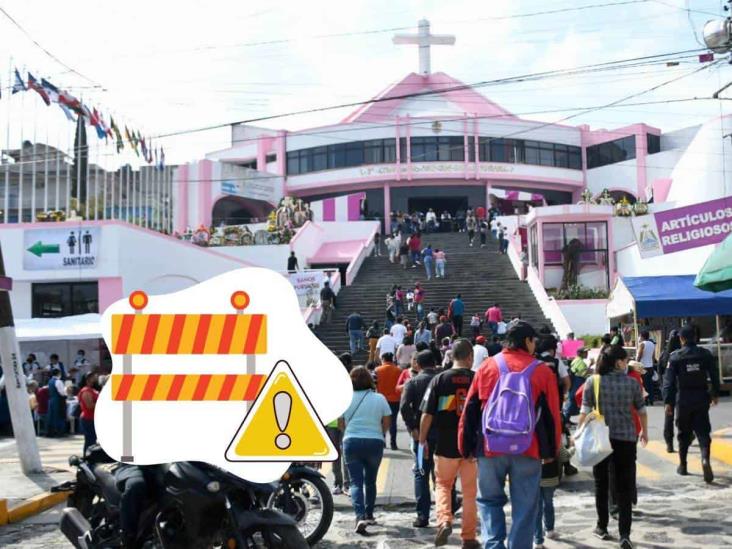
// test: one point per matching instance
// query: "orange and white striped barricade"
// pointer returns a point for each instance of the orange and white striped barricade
(185, 334)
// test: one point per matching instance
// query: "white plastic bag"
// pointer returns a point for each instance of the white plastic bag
(592, 440)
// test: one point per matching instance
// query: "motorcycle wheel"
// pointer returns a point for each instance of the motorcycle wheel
(308, 496)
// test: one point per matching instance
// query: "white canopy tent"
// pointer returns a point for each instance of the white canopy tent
(53, 329)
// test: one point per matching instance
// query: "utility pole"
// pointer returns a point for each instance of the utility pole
(15, 386)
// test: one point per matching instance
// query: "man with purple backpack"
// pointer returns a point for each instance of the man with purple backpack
(499, 425)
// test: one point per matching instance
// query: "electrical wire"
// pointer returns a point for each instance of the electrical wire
(44, 50)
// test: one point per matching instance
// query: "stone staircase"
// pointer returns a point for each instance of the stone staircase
(481, 276)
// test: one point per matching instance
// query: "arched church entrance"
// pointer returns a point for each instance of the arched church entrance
(235, 210)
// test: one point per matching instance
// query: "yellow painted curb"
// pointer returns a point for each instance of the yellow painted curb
(35, 505)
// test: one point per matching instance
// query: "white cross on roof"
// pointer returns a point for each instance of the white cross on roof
(424, 40)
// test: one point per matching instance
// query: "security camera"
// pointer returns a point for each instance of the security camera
(718, 35)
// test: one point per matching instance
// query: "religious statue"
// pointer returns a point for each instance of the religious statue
(247, 238)
(571, 255)
(606, 199)
(640, 207)
(623, 208)
(586, 197)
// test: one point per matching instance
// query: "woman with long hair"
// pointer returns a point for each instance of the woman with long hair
(364, 423)
(617, 395)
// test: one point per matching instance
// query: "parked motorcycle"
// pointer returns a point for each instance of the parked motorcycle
(303, 495)
(196, 505)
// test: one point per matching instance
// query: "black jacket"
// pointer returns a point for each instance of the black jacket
(412, 395)
(687, 377)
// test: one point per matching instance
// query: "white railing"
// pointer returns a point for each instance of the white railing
(548, 305)
(364, 251)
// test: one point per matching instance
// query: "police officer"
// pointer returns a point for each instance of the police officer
(685, 384)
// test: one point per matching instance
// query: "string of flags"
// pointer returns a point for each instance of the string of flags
(73, 108)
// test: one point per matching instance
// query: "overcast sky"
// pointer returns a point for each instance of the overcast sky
(168, 65)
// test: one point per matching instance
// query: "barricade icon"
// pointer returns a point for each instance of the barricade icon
(281, 425)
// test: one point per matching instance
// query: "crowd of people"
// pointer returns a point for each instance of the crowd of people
(62, 398)
(487, 409)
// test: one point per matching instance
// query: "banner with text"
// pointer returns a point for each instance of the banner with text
(307, 287)
(683, 228)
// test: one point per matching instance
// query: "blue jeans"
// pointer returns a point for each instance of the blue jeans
(415, 256)
(90, 433)
(420, 312)
(393, 425)
(422, 479)
(493, 326)
(440, 270)
(363, 457)
(524, 474)
(570, 407)
(428, 261)
(356, 342)
(546, 512)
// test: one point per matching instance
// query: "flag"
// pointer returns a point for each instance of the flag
(150, 159)
(96, 121)
(143, 146)
(117, 135)
(132, 140)
(86, 112)
(51, 90)
(68, 100)
(36, 87)
(67, 112)
(19, 85)
(706, 57)
(161, 166)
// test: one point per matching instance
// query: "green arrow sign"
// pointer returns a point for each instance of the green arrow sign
(39, 249)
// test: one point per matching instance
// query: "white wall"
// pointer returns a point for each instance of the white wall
(272, 257)
(145, 260)
(586, 317)
(687, 262)
(618, 176)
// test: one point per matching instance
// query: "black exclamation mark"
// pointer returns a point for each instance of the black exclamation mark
(282, 408)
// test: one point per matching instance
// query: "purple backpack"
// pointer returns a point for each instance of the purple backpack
(509, 417)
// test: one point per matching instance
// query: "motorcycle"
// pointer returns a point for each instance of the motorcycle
(193, 505)
(303, 495)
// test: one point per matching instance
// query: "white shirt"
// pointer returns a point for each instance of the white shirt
(386, 344)
(398, 331)
(431, 216)
(60, 386)
(501, 329)
(480, 353)
(494, 224)
(647, 358)
(432, 317)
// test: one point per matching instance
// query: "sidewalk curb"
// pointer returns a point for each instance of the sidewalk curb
(30, 507)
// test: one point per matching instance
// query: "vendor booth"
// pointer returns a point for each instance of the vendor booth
(669, 301)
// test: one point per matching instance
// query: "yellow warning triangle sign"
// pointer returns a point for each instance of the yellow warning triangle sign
(281, 425)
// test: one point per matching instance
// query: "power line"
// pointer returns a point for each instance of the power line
(44, 50)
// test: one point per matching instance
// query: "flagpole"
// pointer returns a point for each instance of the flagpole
(33, 165)
(20, 171)
(104, 193)
(128, 172)
(67, 169)
(86, 182)
(6, 198)
(79, 122)
(58, 172)
(156, 185)
(45, 168)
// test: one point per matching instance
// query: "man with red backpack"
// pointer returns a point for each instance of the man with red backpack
(499, 425)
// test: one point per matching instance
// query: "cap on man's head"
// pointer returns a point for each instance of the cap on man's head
(480, 340)
(688, 332)
(518, 330)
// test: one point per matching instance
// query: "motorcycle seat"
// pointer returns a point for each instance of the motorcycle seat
(105, 476)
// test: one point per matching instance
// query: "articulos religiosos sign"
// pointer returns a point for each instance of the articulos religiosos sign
(683, 228)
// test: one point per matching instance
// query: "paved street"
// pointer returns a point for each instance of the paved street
(672, 511)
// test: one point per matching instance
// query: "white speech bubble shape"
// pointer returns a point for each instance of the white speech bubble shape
(163, 431)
